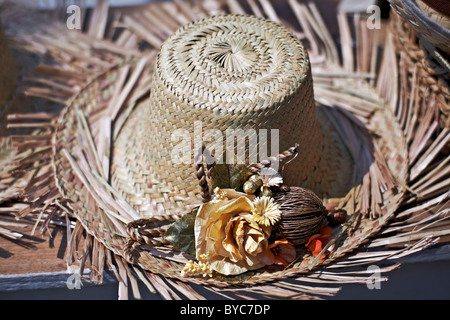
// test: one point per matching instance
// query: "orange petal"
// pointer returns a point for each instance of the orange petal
(317, 247)
(287, 254)
(325, 231)
(267, 257)
(318, 241)
(312, 238)
(284, 254)
(278, 242)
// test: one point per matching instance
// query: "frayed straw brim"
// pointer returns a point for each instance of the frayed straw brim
(104, 82)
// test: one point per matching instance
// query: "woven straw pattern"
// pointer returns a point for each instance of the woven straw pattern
(72, 183)
(229, 72)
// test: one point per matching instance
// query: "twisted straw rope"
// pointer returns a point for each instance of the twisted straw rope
(292, 151)
(202, 175)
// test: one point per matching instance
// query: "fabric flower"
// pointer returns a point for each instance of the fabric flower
(266, 211)
(226, 234)
(317, 242)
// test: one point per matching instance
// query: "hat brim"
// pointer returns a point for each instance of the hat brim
(110, 102)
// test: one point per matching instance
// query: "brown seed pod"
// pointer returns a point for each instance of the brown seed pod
(303, 214)
(337, 217)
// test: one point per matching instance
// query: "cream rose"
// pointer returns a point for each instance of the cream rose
(228, 237)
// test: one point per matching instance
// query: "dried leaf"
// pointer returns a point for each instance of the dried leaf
(181, 233)
(229, 176)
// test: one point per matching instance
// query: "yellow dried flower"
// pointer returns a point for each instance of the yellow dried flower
(266, 211)
(227, 237)
(219, 194)
(192, 268)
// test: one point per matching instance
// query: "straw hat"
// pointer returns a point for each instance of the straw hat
(224, 73)
(112, 146)
(264, 83)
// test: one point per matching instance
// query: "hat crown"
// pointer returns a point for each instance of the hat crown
(233, 62)
(233, 56)
(225, 72)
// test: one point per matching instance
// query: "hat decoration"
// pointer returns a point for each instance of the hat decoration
(236, 231)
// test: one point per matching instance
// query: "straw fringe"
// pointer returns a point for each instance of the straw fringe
(36, 190)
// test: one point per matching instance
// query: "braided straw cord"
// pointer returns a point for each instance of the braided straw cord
(202, 174)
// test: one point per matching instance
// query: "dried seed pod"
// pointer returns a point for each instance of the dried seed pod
(302, 214)
(266, 192)
(252, 184)
(337, 217)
